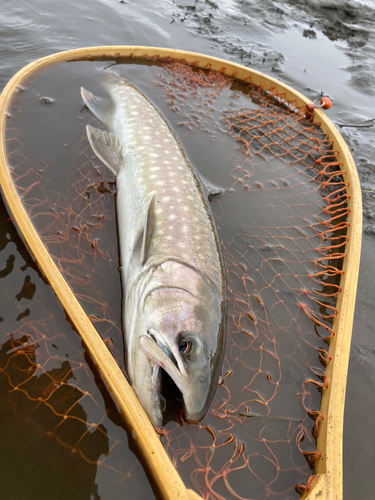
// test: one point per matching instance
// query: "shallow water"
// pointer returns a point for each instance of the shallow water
(266, 35)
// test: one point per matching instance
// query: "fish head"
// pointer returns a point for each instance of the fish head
(180, 332)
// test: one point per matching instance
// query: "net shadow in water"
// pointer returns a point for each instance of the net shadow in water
(282, 225)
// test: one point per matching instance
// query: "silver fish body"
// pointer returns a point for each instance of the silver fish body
(172, 269)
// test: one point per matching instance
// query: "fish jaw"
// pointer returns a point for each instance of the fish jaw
(194, 389)
(179, 331)
(148, 390)
(150, 359)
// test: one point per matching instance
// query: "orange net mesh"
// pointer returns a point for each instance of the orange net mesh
(282, 223)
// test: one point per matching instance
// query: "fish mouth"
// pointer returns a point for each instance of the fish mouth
(168, 370)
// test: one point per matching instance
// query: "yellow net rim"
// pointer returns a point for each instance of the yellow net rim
(328, 480)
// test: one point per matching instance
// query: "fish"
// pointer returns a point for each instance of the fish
(171, 263)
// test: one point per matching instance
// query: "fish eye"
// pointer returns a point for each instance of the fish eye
(185, 346)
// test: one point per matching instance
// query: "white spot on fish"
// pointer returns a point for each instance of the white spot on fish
(181, 244)
(160, 183)
(169, 238)
(172, 217)
(158, 211)
(166, 198)
(152, 176)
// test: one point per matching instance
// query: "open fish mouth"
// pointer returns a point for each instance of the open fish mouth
(165, 357)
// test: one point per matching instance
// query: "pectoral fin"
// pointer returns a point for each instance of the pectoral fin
(144, 236)
(101, 108)
(107, 147)
(148, 227)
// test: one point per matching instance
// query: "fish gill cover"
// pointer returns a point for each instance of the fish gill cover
(282, 225)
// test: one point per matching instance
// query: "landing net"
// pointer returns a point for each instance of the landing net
(282, 224)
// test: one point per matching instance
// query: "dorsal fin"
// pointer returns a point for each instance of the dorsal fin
(101, 108)
(148, 227)
(107, 147)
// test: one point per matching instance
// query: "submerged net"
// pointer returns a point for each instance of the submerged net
(282, 224)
